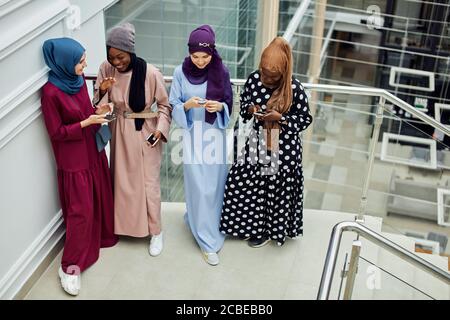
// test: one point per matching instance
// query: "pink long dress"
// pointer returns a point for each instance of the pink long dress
(135, 165)
(84, 180)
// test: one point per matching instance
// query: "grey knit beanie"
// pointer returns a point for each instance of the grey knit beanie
(122, 37)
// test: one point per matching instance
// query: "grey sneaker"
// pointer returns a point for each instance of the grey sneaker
(258, 243)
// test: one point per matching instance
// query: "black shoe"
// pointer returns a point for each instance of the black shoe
(257, 243)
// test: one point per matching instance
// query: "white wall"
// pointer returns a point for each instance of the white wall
(30, 217)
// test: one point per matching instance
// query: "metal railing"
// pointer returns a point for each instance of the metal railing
(362, 91)
(377, 239)
(383, 96)
(375, 92)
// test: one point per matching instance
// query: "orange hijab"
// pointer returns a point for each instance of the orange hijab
(276, 61)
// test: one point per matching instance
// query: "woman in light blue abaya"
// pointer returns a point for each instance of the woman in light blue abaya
(201, 97)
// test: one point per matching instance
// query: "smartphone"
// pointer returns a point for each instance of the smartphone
(152, 140)
(259, 113)
(202, 102)
(111, 117)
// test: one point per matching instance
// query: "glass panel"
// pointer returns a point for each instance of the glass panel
(405, 193)
(163, 27)
(335, 151)
(395, 282)
(172, 180)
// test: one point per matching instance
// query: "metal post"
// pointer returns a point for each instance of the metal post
(372, 148)
(352, 270)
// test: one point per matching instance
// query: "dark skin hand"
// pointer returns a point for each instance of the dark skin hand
(119, 60)
(272, 115)
(270, 79)
(157, 134)
(106, 84)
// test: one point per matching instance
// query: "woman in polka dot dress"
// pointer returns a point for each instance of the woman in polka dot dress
(264, 190)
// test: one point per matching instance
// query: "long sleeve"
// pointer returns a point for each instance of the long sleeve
(56, 129)
(223, 117)
(97, 100)
(165, 110)
(299, 117)
(245, 102)
(181, 117)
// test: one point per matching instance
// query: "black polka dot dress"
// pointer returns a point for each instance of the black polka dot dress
(264, 189)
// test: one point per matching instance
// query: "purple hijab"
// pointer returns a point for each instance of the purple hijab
(218, 87)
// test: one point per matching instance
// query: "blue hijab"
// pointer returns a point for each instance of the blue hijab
(61, 56)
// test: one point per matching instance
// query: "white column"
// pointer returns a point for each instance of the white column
(267, 25)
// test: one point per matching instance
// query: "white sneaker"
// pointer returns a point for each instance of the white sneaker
(211, 258)
(156, 245)
(70, 283)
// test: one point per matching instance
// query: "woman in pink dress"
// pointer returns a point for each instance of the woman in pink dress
(134, 86)
(84, 180)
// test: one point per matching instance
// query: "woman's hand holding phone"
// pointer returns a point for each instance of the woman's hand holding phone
(256, 111)
(254, 108)
(93, 119)
(194, 102)
(213, 106)
(154, 138)
(271, 115)
(261, 115)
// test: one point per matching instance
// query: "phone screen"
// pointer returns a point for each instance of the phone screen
(260, 113)
(152, 140)
(110, 117)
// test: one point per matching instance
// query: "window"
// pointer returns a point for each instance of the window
(412, 151)
(411, 75)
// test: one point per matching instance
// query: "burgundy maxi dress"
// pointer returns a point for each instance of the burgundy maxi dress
(84, 180)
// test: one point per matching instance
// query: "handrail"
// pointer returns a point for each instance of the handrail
(362, 91)
(372, 236)
(367, 91)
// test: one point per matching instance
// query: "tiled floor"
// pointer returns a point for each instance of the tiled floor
(128, 272)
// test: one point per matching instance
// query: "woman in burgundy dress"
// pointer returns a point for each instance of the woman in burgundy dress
(84, 180)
